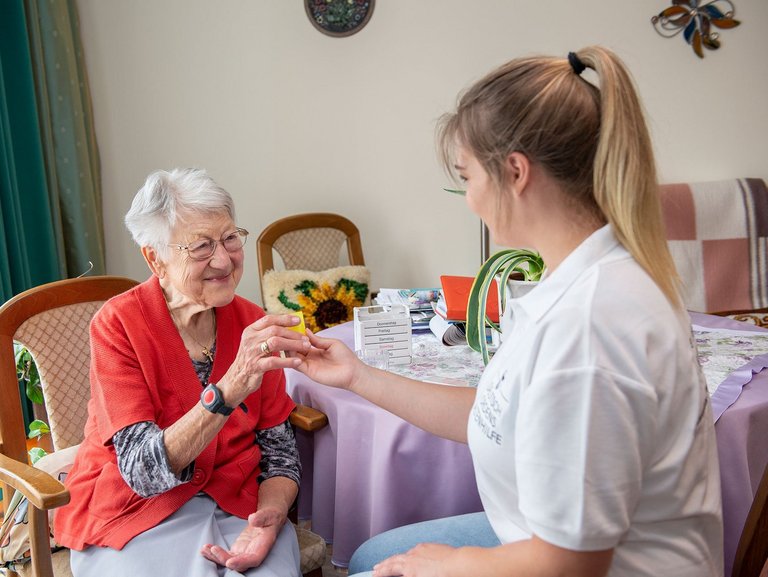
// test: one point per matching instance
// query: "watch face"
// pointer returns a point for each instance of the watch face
(339, 17)
(213, 401)
(209, 396)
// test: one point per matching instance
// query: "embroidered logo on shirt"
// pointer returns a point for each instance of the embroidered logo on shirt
(487, 412)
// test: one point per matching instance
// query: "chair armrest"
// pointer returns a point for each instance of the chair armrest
(42, 490)
(307, 418)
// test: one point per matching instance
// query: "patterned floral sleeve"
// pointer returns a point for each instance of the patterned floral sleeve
(279, 455)
(143, 462)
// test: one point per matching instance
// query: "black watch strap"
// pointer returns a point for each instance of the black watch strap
(213, 401)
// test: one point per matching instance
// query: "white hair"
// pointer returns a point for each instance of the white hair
(157, 206)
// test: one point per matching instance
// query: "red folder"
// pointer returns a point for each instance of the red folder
(456, 293)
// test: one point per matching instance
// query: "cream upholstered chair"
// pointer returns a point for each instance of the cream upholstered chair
(52, 321)
(311, 241)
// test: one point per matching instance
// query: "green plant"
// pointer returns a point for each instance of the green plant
(504, 264)
(26, 372)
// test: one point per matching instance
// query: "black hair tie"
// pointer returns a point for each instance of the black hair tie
(576, 63)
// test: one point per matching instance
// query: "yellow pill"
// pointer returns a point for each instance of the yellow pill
(299, 328)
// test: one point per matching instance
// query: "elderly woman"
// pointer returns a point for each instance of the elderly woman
(189, 465)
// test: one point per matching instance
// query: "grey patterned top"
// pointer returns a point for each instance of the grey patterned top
(143, 462)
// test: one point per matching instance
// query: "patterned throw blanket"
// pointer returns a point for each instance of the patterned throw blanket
(718, 236)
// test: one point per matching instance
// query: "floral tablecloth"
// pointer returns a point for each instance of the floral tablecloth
(729, 360)
(434, 362)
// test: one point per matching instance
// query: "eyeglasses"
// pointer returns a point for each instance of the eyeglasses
(204, 248)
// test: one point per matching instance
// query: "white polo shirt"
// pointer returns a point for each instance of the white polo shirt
(592, 427)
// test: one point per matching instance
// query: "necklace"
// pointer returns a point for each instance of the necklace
(206, 350)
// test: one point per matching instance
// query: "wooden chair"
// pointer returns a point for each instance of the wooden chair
(52, 321)
(311, 241)
(751, 558)
(757, 317)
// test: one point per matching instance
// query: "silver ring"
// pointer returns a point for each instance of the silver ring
(265, 348)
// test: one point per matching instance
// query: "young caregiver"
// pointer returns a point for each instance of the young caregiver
(591, 432)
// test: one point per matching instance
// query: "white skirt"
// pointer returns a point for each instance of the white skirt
(172, 548)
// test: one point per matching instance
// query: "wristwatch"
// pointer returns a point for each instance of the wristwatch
(213, 401)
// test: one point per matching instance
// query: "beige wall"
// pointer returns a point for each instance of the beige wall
(290, 120)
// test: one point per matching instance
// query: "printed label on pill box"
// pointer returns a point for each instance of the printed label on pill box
(301, 327)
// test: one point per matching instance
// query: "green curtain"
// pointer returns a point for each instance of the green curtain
(66, 124)
(28, 249)
(51, 223)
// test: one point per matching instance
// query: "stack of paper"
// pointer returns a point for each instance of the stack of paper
(449, 333)
(419, 302)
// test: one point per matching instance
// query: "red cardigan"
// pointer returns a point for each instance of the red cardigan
(140, 371)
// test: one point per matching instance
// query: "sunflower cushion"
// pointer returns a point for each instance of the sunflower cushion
(326, 298)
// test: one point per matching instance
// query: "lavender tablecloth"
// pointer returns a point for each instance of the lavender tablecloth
(741, 432)
(370, 471)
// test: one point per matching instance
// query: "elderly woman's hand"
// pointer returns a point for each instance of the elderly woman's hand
(257, 354)
(252, 545)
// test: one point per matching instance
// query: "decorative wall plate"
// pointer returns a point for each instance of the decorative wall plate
(339, 17)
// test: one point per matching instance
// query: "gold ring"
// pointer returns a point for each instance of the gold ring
(265, 348)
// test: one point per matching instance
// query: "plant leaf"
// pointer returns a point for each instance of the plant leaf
(23, 362)
(35, 391)
(37, 429)
(502, 264)
(478, 297)
(35, 454)
(456, 191)
(18, 350)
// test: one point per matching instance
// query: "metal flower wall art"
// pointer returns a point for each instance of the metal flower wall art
(696, 19)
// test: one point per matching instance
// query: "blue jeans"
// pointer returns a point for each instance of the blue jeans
(459, 531)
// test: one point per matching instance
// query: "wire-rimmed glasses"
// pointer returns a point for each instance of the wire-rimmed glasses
(204, 248)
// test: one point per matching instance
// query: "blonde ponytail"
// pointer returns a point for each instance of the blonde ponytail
(625, 187)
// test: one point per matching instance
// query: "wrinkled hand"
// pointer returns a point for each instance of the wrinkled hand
(330, 362)
(244, 375)
(425, 560)
(252, 545)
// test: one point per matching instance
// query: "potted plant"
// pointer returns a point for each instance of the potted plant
(26, 371)
(507, 266)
